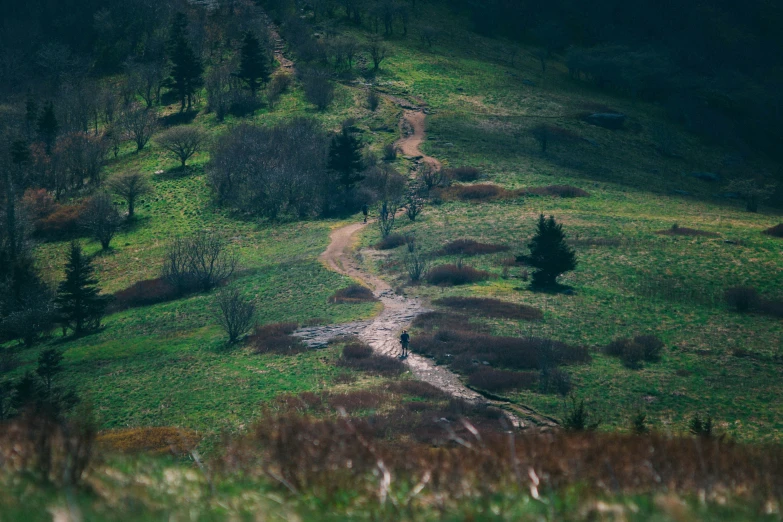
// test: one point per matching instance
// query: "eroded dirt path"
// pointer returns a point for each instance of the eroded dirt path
(413, 124)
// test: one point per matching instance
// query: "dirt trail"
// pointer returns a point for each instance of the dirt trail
(382, 332)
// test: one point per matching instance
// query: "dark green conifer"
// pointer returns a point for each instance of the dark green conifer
(345, 158)
(254, 65)
(48, 126)
(79, 303)
(186, 67)
(549, 253)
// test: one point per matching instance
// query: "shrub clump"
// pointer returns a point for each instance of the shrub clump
(353, 294)
(391, 241)
(276, 338)
(356, 400)
(144, 293)
(493, 380)
(469, 247)
(452, 275)
(420, 389)
(633, 351)
(357, 350)
(677, 230)
(478, 192)
(741, 298)
(358, 355)
(156, 440)
(776, 231)
(559, 191)
(491, 307)
(464, 174)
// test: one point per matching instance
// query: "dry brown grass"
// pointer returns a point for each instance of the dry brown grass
(276, 338)
(156, 440)
(470, 247)
(559, 191)
(476, 193)
(453, 275)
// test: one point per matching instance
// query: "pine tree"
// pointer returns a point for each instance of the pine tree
(80, 307)
(49, 366)
(186, 68)
(345, 158)
(48, 126)
(253, 66)
(549, 253)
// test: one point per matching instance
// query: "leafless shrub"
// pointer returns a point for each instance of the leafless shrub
(431, 176)
(276, 338)
(235, 313)
(200, 261)
(742, 298)
(353, 294)
(373, 100)
(677, 230)
(451, 275)
(143, 293)
(389, 242)
(377, 50)
(464, 174)
(493, 380)
(130, 186)
(479, 192)
(470, 247)
(101, 219)
(417, 265)
(387, 214)
(776, 231)
(140, 124)
(414, 207)
(318, 88)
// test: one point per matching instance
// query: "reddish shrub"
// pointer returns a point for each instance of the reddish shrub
(38, 204)
(464, 174)
(357, 350)
(450, 275)
(491, 307)
(158, 440)
(479, 192)
(276, 338)
(776, 231)
(439, 320)
(633, 351)
(144, 293)
(63, 222)
(356, 400)
(353, 294)
(390, 241)
(493, 380)
(469, 247)
(419, 389)
(374, 364)
(677, 230)
(561, 191)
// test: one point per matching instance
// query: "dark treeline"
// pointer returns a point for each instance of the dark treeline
(715, 64)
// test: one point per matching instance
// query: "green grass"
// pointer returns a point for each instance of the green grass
(482, 113)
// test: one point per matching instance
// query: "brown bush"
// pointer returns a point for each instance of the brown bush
(353, 294)
(64, 222)
(493, 380)
(374, 364)
(776, 231)
(357, 350)
(452, 275)
(390, 241)
(464, 174)
(156, 440)
(491, 307)
(633, 351)
(469, 247)
(431, 321)
(773, 307)
(462, 350)
(742, 298)
(677, 230)
(477, 193)
(38, 204)
(419, 389)
(276, 338)
(355, 400)
(144, 293)
(560, 191)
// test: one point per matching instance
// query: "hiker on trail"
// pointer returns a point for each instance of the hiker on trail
(365, 211)
(404, 340)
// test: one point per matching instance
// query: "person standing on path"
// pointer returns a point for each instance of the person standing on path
(405, 338)
(365, 211)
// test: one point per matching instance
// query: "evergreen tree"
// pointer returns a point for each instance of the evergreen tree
(345, 158)
(186, 67)
(79, 304)
(49, 366)
(48, 126)
(549, 253)
(254, 65)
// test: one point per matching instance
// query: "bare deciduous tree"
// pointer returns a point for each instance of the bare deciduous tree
(378, 51)
(101, 219)
(414, 207)
(200, 261)
(130, 186)
(235, 313)
(417, 265)
(140, 124)
(182, 142)
(431, 176)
